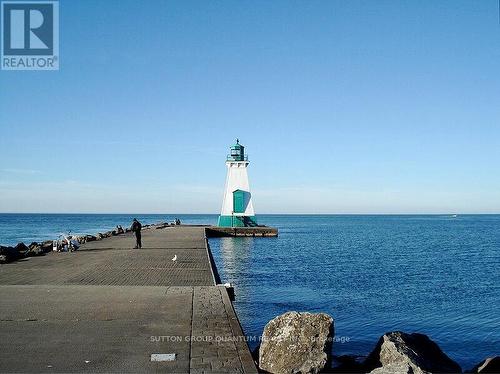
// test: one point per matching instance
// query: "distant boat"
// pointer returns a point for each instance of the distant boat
(454, 216)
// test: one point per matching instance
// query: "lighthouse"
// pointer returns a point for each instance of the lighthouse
(237, 208)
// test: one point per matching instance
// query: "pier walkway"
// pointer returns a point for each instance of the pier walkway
(109, 308)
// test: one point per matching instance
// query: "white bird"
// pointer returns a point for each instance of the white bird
(175, 258)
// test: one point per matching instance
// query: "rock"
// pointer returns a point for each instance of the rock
(296, 343)
(90, 238)
(490, 365)
(47, 246)
(21, 248)
(33, 245)
(99, 236)
(35, 251)
(398, 368)
(9, 254)
(398, 352)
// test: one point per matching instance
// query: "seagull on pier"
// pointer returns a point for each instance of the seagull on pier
(175, 258)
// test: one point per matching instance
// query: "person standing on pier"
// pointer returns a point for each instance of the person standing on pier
(136, 228)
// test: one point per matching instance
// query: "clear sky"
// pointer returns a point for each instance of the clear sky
(343, 106)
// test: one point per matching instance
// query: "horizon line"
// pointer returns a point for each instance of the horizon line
(264, 214)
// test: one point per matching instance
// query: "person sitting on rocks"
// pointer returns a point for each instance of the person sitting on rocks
(136, 228)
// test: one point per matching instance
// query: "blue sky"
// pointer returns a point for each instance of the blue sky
(344, 107)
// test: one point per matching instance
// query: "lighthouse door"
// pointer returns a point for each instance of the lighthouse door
(239, 201)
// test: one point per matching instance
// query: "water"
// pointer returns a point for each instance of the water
(437, 275)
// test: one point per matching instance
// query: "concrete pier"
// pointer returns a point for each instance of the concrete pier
(217, 231)
(110, 308)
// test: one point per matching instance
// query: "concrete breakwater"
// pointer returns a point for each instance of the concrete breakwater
(110, 308)
(258, 231)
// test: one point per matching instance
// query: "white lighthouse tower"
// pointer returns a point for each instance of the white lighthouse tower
(237, 208)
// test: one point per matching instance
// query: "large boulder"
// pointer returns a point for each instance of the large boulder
(22, 249)
(33, 245)
(47, 246)
(398, 352)
(490, 365)
(9, 254)
(35, 250)
(296, 343)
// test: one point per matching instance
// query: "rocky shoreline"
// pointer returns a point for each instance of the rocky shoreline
(21, 250)
(302, 343)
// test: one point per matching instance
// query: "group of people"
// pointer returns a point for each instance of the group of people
(136, 229)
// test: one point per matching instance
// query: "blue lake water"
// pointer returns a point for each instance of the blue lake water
(438, 275)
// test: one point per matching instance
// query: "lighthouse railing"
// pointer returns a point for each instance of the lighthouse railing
(236, 158)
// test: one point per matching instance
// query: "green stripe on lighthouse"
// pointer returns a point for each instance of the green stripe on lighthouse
(237, 221)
